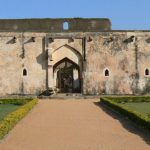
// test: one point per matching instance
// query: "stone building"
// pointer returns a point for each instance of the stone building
(72, 56)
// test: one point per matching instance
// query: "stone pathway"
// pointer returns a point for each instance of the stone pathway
(73, 125)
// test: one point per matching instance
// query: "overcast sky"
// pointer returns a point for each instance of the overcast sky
(124, 14)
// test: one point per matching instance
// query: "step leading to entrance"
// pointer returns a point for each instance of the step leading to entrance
(70, 96)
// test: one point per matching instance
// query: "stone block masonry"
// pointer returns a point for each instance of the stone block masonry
(72, 56)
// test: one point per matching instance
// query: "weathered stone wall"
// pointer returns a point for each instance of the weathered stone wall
(10, 66)
(55, 25)
(35, 61)
(143, 59)
(19, 55)
(124, 54)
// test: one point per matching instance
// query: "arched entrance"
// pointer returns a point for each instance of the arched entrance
(67, 76)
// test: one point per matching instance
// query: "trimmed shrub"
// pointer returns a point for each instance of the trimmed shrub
(11, 120)
(137, 117)
(130, 99)
(15, 101)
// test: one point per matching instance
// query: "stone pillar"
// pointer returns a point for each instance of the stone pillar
(50, 69)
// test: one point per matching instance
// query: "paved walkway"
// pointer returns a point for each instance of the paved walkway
(73, 125)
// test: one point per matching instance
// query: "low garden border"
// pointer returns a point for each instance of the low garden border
(11, 119)
(137, 117)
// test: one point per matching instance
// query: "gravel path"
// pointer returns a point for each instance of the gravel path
(73, 125)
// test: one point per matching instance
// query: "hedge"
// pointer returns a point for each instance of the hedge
(11, 120)
(138, 118)
(130, 99)
(15, 101)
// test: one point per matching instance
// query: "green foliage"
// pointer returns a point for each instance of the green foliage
(15, 101)
(11, 119)
(143, 107)
(137, 117)
(130, 99)
(6, 109)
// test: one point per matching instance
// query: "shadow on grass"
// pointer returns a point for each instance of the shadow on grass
(126, 123)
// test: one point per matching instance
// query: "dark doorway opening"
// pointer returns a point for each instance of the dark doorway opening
(68, 76)
(65, 80)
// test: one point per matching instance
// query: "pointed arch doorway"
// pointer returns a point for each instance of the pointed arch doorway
(67, 76)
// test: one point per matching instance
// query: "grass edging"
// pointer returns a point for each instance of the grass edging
(11, 120)
(135, 116)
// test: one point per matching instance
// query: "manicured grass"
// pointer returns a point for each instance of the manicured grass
(5, 109)
(135, 108)
(13, 110)
(143, 107)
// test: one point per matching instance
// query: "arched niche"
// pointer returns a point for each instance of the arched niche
(67, 76)
(66, 51)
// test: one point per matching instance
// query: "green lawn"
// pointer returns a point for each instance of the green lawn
(5, 109)
(142, 107)
(135, 108)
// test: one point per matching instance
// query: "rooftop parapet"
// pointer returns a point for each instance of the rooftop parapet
(56, 25)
